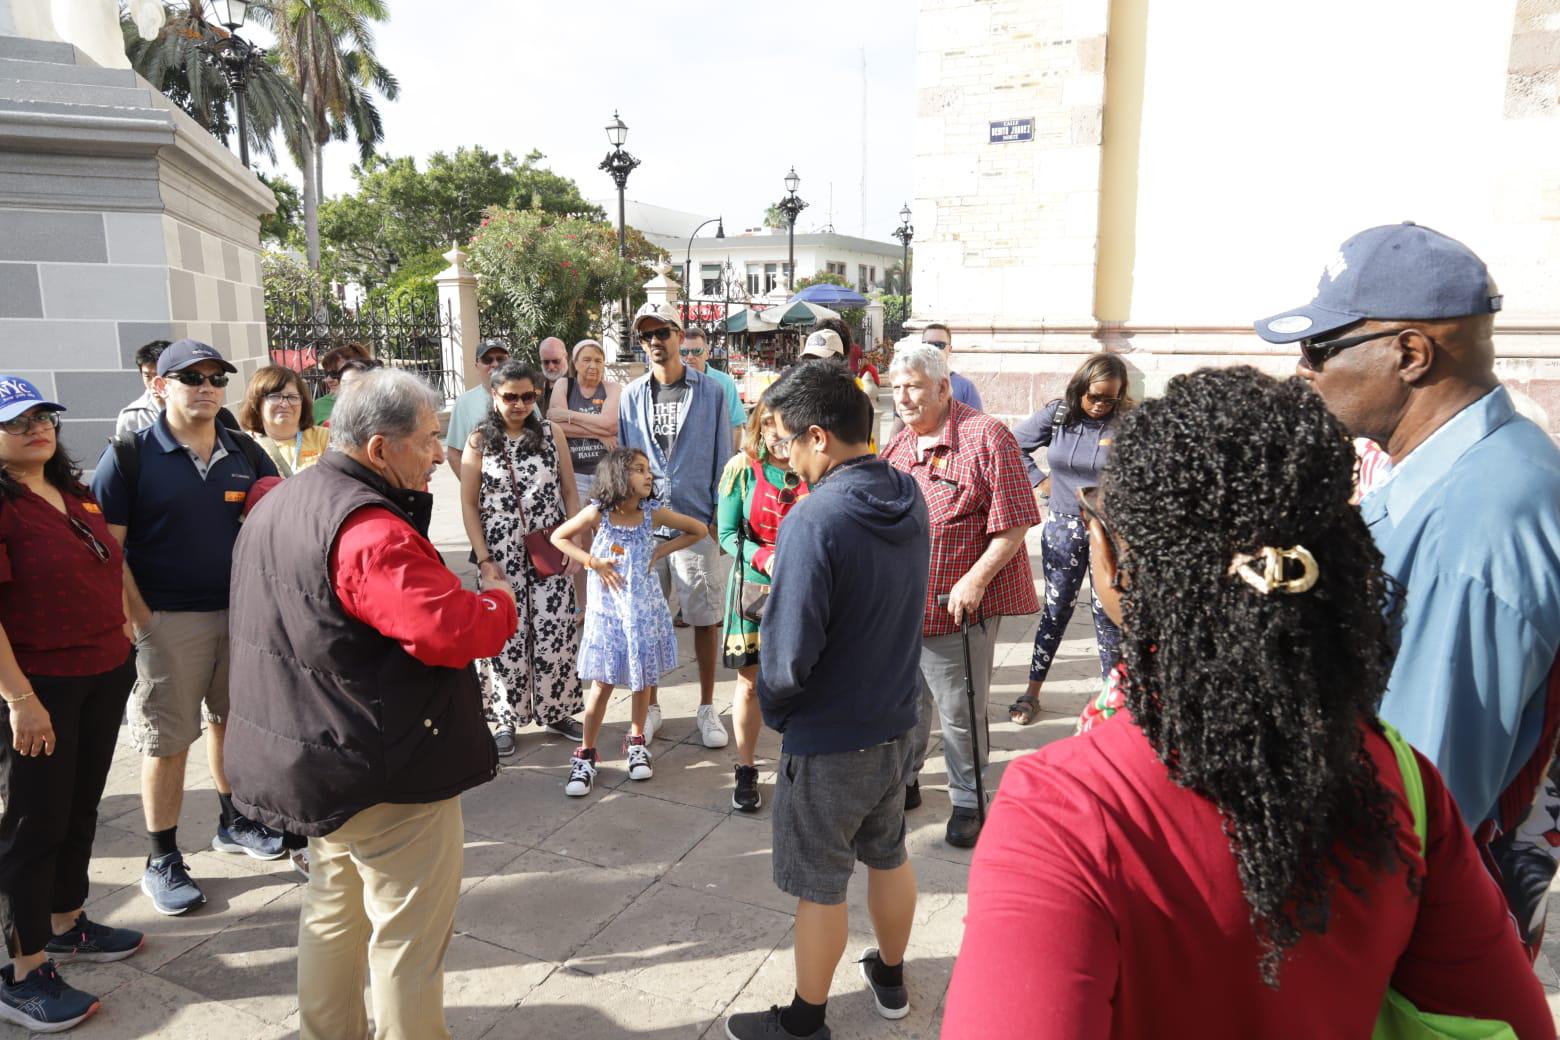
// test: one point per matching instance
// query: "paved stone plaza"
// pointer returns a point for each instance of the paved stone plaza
(644, 910)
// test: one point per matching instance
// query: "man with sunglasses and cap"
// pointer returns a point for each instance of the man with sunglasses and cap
(1398, 341)
(173, 496)
(678, 417)
(473, 405)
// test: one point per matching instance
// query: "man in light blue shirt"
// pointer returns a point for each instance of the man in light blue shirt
(1468, 523)
(963, 390)
(696, 355)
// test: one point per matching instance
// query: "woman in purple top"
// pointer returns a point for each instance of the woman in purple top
(1076, 431)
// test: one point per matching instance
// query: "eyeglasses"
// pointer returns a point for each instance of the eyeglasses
(781, 449)
(1317, 352)
(553, 362)
(219, 380)
(1096, 399)
(661, 335)
(787, 494)
(529, 397)
(85, 534)
(22, 425)
(290, 400)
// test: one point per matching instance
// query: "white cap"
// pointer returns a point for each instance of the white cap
(825, 343)
(664, 312)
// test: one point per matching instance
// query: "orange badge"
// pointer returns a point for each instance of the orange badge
(617, 550)
(234, 496)
(91, 507)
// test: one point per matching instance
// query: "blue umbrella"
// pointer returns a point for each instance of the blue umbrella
(831, 296)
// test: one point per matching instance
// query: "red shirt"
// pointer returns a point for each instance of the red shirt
(392, 579)
(1104, 902)
(975, 486)
(61, 606)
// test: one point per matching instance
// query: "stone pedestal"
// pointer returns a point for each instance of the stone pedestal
(121, 221)
(458, 302)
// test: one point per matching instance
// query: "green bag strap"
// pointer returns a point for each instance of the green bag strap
(1413, 783)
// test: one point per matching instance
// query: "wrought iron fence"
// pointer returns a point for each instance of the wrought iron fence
(496, 325)
(409, 337)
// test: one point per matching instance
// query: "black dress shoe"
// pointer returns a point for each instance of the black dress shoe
(913, 795)
(963, 828)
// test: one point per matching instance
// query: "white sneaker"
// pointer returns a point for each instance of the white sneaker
(652, 722)
(711, 730)
(638, 760)
(582, 773)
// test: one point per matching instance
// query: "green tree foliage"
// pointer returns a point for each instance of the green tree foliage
(552, 276)
(285, 226)
(403, 218)
(288, 285)
(822, 278)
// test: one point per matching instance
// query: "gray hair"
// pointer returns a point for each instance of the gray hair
(925, 358)
(386, 401)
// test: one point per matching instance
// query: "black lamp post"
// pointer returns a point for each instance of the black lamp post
(791, 207)
(720, 232)
(620, 164)
(235, 56)
(904, 232)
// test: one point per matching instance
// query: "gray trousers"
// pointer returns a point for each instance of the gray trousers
(943, 696)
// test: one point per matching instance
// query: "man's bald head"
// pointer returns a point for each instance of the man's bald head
(555, 358)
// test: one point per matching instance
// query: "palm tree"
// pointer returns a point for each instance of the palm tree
(327, 47)
(175, 64)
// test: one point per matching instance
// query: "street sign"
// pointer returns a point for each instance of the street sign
(1005, 130)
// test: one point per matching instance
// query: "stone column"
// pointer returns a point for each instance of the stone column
(458, 303)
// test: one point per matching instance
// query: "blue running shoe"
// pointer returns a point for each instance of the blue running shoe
(167, 881)
(42, 1002)
(247, 836)
(89, 941)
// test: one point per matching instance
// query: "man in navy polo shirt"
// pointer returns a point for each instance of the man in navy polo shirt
(176, 512)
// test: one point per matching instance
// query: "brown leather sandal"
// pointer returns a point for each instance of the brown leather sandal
(1024, 710)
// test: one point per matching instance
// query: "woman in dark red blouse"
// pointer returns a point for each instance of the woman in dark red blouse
(65, 674)
(1231, 854)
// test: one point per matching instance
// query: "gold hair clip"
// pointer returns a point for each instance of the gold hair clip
(1271, 579)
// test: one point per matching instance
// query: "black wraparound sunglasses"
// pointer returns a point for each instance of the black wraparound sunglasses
(1317, 351)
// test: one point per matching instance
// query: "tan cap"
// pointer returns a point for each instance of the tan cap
(663, 312)
(825, 343)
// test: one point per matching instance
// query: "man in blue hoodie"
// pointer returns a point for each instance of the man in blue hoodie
(838, 678)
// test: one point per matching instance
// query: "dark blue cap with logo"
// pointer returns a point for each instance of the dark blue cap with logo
(17, 395)
(183, 353)
(1396, 271)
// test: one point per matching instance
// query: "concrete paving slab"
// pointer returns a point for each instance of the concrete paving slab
(571, 1006)
(623, 830)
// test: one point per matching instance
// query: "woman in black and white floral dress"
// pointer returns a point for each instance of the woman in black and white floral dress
(516, 478)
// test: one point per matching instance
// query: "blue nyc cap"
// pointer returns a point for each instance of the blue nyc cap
(17, 395)
(1393, 271)
(182, 354)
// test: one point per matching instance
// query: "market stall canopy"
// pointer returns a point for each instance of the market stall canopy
(826, 295)
(746, 321)
(798, 312)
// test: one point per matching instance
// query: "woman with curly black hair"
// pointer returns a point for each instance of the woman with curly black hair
(1232, 854)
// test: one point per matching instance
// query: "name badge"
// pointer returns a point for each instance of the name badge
(234, 496)
(91, 507)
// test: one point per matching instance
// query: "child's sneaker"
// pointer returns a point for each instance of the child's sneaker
(639, 759)
(582, 773)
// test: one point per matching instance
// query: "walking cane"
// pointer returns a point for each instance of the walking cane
(969, 693)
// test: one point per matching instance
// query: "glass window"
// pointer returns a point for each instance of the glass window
(755, 279)
(709, 279)
(861, 277)
(771, 277)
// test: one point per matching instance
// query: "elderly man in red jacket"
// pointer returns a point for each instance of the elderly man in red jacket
(362, 722)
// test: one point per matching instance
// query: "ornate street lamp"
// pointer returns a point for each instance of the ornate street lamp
(236, 57)
(620, 164)
(904, 232)
(791, 207)
(720, 232)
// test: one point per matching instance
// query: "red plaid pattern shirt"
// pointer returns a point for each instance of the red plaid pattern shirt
(975, 486)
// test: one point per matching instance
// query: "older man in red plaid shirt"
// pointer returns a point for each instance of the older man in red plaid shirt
(971, 471)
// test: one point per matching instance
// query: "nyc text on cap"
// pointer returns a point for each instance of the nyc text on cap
(17, 395)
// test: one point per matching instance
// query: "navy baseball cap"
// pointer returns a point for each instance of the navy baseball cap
(492, 343)
(17, 395)
(1393, 271)
(183, 353)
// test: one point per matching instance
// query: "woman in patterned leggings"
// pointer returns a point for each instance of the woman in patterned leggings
(1076, 431)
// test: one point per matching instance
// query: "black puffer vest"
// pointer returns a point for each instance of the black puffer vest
(328, 716)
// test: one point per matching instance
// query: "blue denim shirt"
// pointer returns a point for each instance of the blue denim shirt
(1469, 523)
(699, 455)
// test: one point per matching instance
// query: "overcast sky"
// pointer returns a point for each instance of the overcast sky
(721, 99)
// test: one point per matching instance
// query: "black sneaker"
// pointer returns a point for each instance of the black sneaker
(912, 795)
(89, 941)
(567, 727)
(246, 836)
(42, 1002)
(963, 828)
(168, 883)
(892, 1001)
(765, 1025)
(746, 797)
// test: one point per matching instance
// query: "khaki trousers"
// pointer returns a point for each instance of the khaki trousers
(380, 908)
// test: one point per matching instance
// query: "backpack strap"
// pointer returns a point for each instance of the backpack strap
(250, 449)
(1413, 782)
(127, 457)
(1059, 417)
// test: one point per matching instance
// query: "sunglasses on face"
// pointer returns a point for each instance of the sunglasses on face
(529, 397)
(85, 534)
(493, 360)
(660, 335)
(25, 424)
(219, 380)
(290, 400)
(1317, 352)
(1096, 399)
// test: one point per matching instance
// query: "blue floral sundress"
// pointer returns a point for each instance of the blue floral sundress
(628, 639)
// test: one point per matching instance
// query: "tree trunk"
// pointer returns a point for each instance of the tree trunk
(319, 172)
(311, 201)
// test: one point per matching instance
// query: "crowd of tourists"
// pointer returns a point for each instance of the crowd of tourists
(1317, 766)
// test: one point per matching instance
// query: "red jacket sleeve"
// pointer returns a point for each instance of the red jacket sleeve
(1040, 956)
(392, 579)
(1464, 956)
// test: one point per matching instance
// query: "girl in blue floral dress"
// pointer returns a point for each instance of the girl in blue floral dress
(627, 639)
